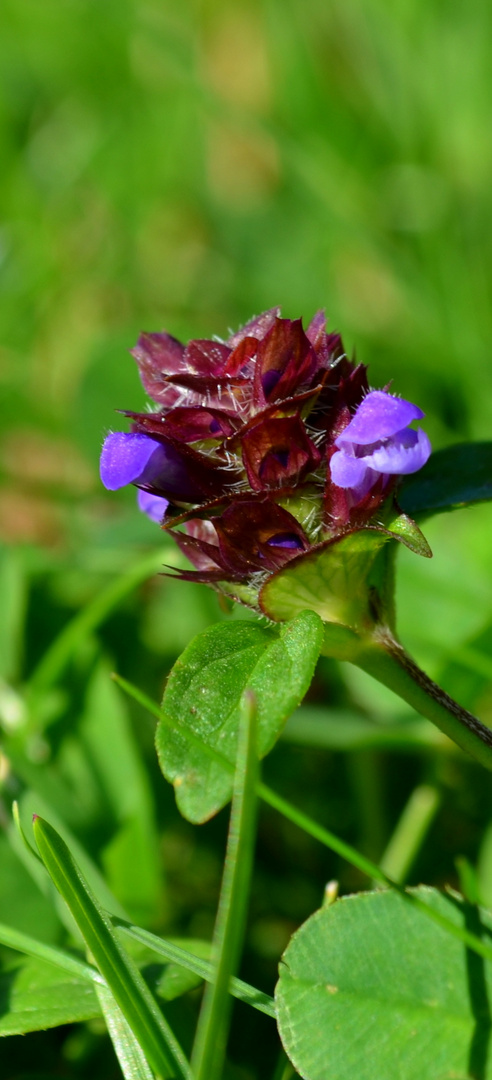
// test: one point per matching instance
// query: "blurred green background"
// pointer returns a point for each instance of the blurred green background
(186, 165)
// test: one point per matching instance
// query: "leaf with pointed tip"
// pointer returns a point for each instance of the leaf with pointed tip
(197, 735)
(405, 529)
(452, 478)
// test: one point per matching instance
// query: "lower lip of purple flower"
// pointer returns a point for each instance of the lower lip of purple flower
(153, 505)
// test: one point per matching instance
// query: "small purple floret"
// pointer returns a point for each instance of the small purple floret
(124, 458)
(378, 442)
(134, 458)
(153, 505)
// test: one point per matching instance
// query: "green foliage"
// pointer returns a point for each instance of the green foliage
(452, 478)
(368, 985)
(185, 166)
(123, 979)
(203, 699)
(41, 996)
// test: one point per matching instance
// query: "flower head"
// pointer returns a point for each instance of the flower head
(261, 449)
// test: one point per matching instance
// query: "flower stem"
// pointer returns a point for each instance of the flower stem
(381, 656)
(213, 1023)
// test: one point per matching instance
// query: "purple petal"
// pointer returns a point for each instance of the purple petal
(135, 458)
(124, 458)
(405, 453)
(379, 416)
(153, 505)
(348, 471)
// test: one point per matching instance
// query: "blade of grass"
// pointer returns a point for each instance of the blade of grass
(410, 832)
(133, 1062)
(213, 1023)
(23, 943)
(63, 647)
(122, 976)
(284, 1070)
(468, 879)
(176, 955)
(243, 991)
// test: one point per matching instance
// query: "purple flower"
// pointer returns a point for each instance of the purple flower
(135, 458)
(265, 447)
(378, 442)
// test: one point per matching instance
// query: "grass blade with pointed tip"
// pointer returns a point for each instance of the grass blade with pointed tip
(213, 1023)
(122, 976)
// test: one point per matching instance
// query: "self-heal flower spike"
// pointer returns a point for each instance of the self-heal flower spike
(275, 467)
(263, 451)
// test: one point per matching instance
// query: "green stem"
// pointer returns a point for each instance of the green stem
(410, 832)
(213, 1023)
(284, 1069)
(299, 818)
(381, 656)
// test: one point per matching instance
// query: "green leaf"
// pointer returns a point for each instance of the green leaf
(124, 980)
(405, 529)
(333, 582)
(202, 703)
(454, 477)
(36, 995)
(30, 803)
(369, 987)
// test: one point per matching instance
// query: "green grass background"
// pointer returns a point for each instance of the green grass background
(186, 165)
